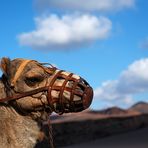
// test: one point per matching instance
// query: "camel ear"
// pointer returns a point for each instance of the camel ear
(5, 65)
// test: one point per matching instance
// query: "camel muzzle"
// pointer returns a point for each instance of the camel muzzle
(72, 95)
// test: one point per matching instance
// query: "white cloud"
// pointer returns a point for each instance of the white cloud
(132, 81)
(66, 31)
(87, 5)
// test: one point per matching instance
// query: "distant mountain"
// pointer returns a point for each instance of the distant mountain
(93, 115)
(141, 107)
(113, 111)
(85, 115)
(136, 109)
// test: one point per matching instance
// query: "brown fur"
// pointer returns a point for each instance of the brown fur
(22, 120)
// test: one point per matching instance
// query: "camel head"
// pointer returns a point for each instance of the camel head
(34, 87)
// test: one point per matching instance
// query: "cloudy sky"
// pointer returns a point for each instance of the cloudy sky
(106, 42)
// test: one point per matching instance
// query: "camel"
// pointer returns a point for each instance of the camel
(29, 92)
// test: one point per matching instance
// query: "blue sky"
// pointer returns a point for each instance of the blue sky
(106, 42)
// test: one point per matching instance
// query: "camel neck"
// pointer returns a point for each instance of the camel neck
(17, 130)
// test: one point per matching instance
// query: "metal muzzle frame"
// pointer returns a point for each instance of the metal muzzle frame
(80, 89)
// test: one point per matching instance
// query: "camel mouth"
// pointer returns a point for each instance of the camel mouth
(69, 93)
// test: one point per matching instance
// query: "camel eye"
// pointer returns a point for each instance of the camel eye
(31, 81)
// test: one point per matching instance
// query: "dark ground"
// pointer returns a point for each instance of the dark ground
(133, 139)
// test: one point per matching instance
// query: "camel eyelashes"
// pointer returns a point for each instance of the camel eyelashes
(33, 80)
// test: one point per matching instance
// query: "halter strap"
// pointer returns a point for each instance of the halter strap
(19, 71)
(25, 94)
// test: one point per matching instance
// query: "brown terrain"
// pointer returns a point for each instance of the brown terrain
(91, 126)
(141, 107)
